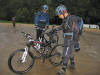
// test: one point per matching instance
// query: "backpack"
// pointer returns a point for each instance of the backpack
(80, 22)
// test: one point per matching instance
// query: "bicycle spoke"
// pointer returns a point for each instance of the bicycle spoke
(16, 63)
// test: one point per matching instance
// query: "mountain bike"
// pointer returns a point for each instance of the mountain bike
(22, 60)
(51, 35)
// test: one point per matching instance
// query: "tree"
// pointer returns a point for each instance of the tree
(25, 10)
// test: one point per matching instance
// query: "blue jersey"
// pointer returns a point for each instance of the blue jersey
(41, 19)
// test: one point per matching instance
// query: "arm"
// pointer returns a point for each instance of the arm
(75, 27)
(59, 28)
(37, 18)
(48, 20)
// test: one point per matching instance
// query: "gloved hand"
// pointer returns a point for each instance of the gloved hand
(37, 27)
(46, 27)
(54, 30)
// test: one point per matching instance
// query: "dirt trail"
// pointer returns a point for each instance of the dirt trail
(87, 60)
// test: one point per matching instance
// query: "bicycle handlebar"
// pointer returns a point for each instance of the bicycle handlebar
(27, 35)
(40, 28)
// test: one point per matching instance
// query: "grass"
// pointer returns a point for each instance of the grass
(5, 21)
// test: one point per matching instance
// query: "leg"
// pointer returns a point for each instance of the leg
(71, 56)
(72, 63)
(80, 25)
(39, 32)
(65, 62)
(65, 59)
(77, 35)
(76, 42)
(76, 30)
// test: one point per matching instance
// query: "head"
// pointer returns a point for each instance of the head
(45, 8)
(61, 11)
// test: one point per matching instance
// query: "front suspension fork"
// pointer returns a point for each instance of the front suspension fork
(25, 54)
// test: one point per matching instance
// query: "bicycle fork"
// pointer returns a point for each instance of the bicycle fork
(24, 55)
(38, 46)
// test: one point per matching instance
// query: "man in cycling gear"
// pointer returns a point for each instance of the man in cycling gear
(71, 24)
(42, 20)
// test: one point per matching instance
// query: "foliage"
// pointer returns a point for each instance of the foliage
(25, 10)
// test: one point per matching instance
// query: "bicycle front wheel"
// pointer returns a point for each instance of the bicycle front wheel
(16, 64)
(56, 55)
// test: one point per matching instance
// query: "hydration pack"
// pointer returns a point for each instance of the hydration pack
(79, 20)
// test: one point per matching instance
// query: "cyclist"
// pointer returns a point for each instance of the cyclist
(14, 21)
(71, 23)
(42, 20)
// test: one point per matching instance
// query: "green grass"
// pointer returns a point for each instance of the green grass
(5, 21)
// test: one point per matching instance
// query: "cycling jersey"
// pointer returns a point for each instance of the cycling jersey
(41, 19)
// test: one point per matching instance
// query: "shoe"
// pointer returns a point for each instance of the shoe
(61, 72)
(77, 47)
(72, 65)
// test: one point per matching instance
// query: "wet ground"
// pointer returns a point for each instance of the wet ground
(87, 60)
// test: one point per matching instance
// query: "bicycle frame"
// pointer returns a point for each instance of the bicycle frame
(27, 48)
(37, 48)
(37, 45)
(47, 52)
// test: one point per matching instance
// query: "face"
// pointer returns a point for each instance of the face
(66, 14)
(61, 16)
(45, 11)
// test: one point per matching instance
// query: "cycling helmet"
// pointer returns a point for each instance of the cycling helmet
(45, 7)
(60, 9)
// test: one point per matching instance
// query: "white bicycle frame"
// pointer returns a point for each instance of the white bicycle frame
(24, 55)
(26, 50)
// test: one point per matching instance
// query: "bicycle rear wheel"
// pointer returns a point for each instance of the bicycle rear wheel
(55, 38)
(56, 58)
(15, 62)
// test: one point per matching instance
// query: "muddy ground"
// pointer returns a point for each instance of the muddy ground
(87, 60)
